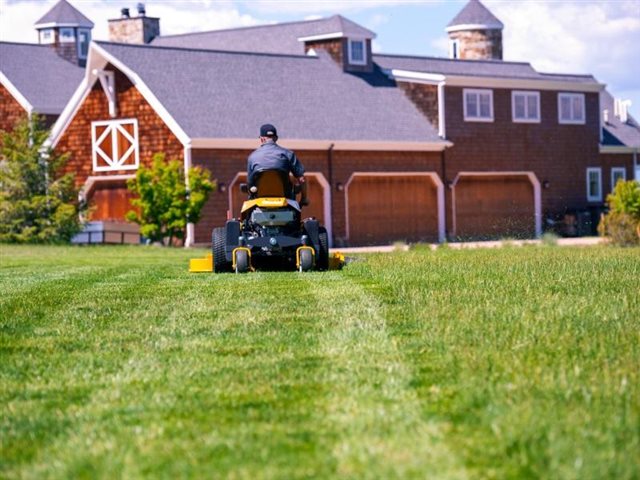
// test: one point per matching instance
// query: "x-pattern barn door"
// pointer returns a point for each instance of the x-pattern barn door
(115, 145)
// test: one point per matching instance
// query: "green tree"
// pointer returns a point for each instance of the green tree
(164, 206)
(622, 223)
(38, 202)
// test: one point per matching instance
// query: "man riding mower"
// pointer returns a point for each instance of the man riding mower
(270, 232)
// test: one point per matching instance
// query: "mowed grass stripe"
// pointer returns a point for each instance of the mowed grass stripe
(529, 356)
(195, 387)
(372, 409)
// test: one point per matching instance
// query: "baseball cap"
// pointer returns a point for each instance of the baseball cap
(268, 130)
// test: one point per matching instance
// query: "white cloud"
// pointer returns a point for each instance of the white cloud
(600, 38)
(18, 18)
(321, 7)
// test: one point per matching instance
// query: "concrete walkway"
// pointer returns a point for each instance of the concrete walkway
(562, 242)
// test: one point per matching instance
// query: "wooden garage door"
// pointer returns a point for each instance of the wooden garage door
(493, 207)
(383, 209)
(110, 201)
(315, 192)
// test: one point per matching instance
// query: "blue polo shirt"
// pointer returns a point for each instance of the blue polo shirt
(271, 156)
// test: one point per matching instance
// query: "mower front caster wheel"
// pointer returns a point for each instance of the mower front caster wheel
(242, 261)
(306, 260)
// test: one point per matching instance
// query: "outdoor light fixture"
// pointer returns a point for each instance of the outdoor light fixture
(340, 187)
(222, 187)
(545, 184)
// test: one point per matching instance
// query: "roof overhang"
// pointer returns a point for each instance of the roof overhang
(40, 26)
(475, 26)
(618, 149)
(304, 144)
(15, 93)
(335, 35)
(493, 82)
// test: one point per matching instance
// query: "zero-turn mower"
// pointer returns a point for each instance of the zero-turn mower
(270, 233)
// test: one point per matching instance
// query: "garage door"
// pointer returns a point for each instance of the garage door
(110, 201)
(389, 207)
(494, 206)
(315, 193)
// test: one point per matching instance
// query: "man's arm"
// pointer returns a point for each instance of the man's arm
(298, 171)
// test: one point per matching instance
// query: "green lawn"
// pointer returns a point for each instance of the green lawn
(448, 364)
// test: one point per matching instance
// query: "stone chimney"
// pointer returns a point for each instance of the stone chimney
(138, 29)
(475, 34)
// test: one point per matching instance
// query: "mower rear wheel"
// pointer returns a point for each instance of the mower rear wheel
(322, 257)
(242, 261)
(218, 245)
(306, 260)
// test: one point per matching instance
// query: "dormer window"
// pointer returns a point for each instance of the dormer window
(46, 36)
(67, 35)
(454, 49)
(357, 52)
(84, 37)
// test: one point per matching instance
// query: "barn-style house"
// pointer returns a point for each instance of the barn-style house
(396, 147)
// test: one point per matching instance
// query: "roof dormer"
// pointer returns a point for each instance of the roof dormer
(67, 30)
(348, 43)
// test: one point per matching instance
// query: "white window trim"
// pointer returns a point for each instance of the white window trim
(526, 93)
(615, 170)
(64, 39)
(478, 92)
(594, 198)
(353, 61)
(88, 32)
(52, 37)
(571, 121)
(454, 42)
(112, 128)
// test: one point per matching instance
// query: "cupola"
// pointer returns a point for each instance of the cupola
(67, 30)
(475, 34)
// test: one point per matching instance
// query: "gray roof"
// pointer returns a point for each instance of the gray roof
(45, 80)
(475, 13)
(615, 132)
(475, 68)
(277, 38)
(214, 94)
(63, 13)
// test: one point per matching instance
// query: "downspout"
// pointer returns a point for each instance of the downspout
(330, 174)
(189, 240)
(442, 133)
(635, 165)
(443, 168)
(330, 166)
(442, 129)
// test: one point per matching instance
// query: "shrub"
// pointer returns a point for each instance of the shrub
(164, 205)
(622, 223)
(38, 203)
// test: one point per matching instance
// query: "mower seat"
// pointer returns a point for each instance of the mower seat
(272, 183)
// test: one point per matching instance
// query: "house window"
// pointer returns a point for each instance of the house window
(571, 108)
(115, 145)
(454, 48)
(478, 105)
(617, 174)
(357, 52)
(84, 37)
(67, 35)
(525, 107)
(46, 36)
(594, 184)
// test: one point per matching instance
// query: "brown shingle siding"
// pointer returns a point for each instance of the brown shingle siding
(154, 136)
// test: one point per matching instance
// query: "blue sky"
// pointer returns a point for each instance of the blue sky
(575, 36)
